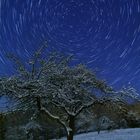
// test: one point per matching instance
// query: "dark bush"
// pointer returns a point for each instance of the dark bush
(2, 127)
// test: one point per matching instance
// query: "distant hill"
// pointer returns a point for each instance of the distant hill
(135, 107)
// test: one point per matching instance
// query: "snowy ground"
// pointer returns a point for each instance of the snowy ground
(122, 134)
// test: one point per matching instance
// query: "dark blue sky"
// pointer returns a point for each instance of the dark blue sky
(101, 33)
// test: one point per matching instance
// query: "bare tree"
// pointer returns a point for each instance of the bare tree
(51, 86)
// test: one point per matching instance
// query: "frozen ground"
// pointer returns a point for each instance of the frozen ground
(121, 134)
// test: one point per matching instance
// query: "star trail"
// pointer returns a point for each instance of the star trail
(103, 34)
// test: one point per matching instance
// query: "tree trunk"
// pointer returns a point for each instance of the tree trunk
(72, 127)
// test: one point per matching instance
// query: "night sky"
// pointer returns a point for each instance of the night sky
(103, 34)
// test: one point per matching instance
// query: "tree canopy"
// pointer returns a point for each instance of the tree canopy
(57, 89)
